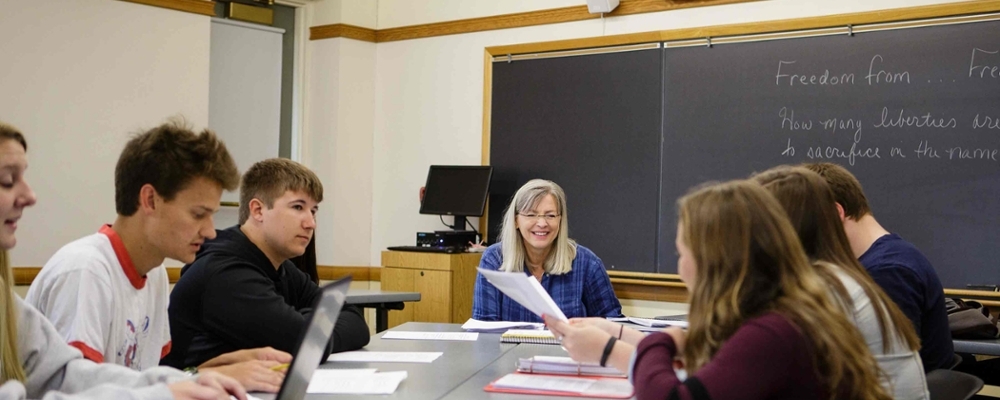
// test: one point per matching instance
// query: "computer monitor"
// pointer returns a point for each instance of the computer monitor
(457, 190)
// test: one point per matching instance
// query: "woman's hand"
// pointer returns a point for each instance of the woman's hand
(603, 324)
(584, 343)
(680, 337)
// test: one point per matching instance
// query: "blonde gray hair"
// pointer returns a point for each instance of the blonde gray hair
(560, 259)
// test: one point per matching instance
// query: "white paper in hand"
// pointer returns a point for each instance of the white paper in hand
(526, 291)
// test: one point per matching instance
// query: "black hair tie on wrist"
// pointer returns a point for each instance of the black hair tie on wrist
(607, 350)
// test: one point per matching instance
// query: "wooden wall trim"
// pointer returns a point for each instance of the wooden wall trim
(517, 20)
(202, 7)
(869, 17)
(358, 273)
(344, 31)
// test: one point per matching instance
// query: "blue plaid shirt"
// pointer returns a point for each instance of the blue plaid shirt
(585, 291)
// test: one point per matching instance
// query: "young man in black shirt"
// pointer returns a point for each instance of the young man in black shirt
(242, 291)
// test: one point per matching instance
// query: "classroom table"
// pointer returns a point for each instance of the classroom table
(460, 361)
(382, 302)
(982, 347)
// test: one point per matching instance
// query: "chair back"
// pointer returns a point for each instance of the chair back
(945, 384)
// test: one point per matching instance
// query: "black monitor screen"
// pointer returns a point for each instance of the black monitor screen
(456, 190)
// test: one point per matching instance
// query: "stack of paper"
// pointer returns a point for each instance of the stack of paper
(355, 381)
(406, 335)
(657, 323)
(385, 356)
(526, 291)
(564, 366)
(475, 325)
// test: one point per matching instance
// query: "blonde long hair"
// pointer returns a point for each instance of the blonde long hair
(560, 259)
(750, 262)
(10, 360)
(810, 205)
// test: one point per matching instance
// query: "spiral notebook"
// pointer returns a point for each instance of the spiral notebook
(528, 336)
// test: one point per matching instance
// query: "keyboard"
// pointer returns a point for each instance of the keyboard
(429, 249)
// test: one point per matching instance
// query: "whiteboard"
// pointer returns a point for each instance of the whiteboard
(244, 98)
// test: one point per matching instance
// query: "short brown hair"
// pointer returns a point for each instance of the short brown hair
(169, 157)
(269, 179)
(846, 188)
(9, 132)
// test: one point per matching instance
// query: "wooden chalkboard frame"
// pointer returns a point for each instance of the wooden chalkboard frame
(667, 287)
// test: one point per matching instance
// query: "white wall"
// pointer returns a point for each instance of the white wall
(78, 77)
(337, 139)
(428, 92)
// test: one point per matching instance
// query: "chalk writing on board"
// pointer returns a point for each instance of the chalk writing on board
(986, 122)
(878, 75)
(788, 120)
(910, 120)
(992, 71)
(824, 78)
(924, 150)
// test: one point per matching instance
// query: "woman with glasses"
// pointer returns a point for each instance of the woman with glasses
(534, 241)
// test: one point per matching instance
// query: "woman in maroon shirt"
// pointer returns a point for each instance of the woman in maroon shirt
(762, 325)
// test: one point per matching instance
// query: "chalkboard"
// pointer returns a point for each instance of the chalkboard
(913, 113)
(910, 112)
(592, 125)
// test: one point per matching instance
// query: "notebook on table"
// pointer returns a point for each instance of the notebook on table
(528, 336)
(565, 366)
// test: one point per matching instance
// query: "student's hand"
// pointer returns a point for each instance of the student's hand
(612, 328)
(583, 343)
(255, 375)
(260, 353)
(680, 337)
(208, 386)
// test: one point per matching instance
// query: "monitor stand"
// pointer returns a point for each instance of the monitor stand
(460, 223)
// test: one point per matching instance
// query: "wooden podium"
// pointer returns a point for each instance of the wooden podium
(444, 281)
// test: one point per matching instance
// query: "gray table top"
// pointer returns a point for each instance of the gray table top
(364, 296)
(461, 360)
(982, 347)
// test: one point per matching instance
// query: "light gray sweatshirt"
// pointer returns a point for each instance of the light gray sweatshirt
(56, 371)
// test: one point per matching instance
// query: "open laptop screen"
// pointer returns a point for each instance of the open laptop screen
(315, 339)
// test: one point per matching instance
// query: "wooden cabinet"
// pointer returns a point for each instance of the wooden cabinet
(444, 281)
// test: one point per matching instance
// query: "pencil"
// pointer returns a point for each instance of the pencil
(280, 367)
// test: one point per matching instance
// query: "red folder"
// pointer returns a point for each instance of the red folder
(605, 387)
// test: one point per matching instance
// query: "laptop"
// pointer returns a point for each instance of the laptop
(314, 340)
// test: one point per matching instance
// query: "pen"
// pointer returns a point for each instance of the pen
(280, 367)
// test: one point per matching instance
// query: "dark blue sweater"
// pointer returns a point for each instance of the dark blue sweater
(909, 279)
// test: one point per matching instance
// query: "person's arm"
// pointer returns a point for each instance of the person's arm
(54, 369)
(904, 287)
(485, 296)
(751, 364)
(351, 330)
(79, 304)
(598, 296)
(349, 333)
